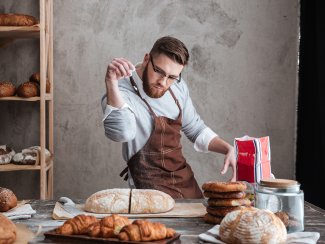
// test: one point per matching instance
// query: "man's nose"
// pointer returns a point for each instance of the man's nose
(163, 81)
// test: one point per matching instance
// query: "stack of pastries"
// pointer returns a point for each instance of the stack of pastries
(223, 198)
(115, 226)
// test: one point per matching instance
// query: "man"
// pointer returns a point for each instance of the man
(146, 107)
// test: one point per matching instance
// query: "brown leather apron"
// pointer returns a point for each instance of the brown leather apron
(160, 164)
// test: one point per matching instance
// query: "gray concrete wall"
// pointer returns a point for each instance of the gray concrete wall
(242, 75)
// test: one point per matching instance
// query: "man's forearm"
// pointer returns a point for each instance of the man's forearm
(219, 145)
(114, 97)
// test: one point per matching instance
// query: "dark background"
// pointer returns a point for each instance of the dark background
(311, 102)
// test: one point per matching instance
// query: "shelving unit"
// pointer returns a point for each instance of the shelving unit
(43, 31)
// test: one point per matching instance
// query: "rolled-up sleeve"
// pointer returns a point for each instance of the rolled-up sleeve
(119, 123)
(192, 125)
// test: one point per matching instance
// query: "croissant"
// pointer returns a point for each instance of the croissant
(109, 226)
(143, 230)
(78, 225)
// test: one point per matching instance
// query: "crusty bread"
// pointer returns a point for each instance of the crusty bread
(6, 154)
(28, 89)
(36, 77)
(217, 186)
(234, 194)
(215, 202)
(109, 201)
(8, 199)
(150, 201)
(222, 211)
(252, 225)
(212, 219)
(7, 89)
(17, 20)
(7, 230)
(119, 200)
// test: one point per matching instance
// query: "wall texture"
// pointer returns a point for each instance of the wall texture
(242, 75)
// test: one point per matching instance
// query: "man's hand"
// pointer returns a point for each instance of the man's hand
(230, 160)
(117, 69)
(220, 146)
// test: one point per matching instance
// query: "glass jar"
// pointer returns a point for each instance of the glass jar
(285, 199)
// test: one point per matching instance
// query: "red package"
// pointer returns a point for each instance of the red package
(253, 158)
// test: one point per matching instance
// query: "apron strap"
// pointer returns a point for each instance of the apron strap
(135, 87)
(125, 172)
(176, 100)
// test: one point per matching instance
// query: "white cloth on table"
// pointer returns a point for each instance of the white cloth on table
(212, 236)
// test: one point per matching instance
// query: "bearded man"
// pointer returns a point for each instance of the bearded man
(146, 107)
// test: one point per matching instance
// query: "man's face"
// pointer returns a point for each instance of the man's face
(159, 74)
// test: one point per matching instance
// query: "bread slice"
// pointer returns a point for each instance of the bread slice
(150, 201)
(109, 201)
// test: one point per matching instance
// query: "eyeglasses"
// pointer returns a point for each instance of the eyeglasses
(163, 74)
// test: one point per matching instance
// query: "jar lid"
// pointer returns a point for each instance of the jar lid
(278, 183)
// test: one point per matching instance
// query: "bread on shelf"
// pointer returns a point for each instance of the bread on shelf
(36, 78)
(6, 154)
(30, 156)
(12, 19)
(7, 89)
(28, 89)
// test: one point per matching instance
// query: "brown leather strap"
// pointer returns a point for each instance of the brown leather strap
(135, 87)
(125, 172)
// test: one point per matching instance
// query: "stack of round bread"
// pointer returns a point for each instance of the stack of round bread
(223, 198)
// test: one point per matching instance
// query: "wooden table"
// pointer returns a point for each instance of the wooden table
(189, 228)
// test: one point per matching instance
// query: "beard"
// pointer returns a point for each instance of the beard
(148, 88)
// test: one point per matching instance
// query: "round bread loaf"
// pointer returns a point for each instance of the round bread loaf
(217, 186)
(226, 195)
(28, 89)
(252, 225)
(214, 202)
(7, 89)
(222, 211)
(8, 199)
(212, 219)
(17, 20)
(7, 230)
(36, 78)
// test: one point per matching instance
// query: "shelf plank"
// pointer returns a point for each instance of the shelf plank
(14, 32)
(48, 97)
(14, 167)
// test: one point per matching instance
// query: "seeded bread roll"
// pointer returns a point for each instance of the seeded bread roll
(36, 78)
(7, 89)
(7, 230)
(8, 199)
(28, 89)
(17, 20)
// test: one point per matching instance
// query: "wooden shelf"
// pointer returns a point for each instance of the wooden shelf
(48, 97)
(14, 167)
(14, 32)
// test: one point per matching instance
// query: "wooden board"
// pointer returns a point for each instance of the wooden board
(78, 238)
(180, 210)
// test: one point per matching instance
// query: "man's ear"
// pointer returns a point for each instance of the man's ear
(146, 58)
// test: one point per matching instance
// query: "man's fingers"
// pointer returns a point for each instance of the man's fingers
(225, 167)
(120, 66)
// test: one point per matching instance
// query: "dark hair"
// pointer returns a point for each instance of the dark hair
(172, 48)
